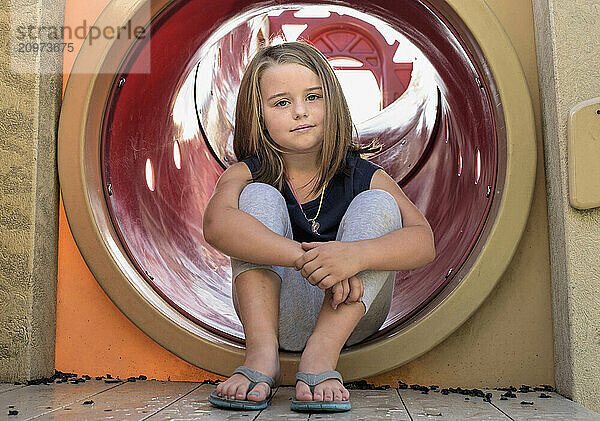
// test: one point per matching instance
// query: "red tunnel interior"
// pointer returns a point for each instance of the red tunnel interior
(440, 144)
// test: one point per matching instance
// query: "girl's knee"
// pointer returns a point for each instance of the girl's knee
(376, 199)
(378, 206)
(260, 193)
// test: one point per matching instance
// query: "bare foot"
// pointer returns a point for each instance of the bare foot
(315, 360)
(265, 361)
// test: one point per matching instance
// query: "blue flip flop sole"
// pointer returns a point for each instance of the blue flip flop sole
(320, 406)
(242, 405)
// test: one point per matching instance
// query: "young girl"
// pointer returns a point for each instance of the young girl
(314, 231)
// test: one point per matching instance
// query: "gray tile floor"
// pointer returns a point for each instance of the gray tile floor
(142, 400)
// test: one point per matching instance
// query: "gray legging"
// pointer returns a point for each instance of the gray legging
(371, 214)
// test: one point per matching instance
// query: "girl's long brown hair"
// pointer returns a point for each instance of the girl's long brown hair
(251, 137)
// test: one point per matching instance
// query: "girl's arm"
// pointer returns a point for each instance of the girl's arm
(238, 234)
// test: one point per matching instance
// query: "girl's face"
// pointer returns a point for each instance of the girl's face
(293, 107)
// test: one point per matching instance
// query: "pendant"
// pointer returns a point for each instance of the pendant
(315, 227)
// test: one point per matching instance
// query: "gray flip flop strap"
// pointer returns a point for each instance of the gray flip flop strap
(314, 379)
(255, 376)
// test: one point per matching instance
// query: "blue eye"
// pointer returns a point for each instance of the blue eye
(312, 97)
(279, 103)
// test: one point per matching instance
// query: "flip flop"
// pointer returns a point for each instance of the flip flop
(319, 406)
(254, 377)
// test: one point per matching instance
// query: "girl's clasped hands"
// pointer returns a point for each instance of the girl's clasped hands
(333, 265)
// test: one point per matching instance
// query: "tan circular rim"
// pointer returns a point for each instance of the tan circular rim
(80, 178)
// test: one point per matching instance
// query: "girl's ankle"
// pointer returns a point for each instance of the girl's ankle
(263, 343)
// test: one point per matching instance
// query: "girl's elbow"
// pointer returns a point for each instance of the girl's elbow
(208, 230)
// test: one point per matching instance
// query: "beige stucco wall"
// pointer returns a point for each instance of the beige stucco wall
(28, 202)
(569, 58)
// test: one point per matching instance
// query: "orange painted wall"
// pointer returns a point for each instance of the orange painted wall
(507, 341)
(93, 337)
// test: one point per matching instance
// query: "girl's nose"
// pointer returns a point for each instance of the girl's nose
(300, 111)
(299, 114)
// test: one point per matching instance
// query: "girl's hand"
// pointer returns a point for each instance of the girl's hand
(326, 264)
(347, 291)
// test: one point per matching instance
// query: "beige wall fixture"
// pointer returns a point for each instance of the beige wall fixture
(567, 79)
(584, 154)
(89, 219)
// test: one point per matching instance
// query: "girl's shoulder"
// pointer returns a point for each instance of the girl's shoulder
(360, 172)
(354, 160)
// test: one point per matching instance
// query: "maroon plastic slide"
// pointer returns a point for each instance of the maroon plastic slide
(165, 143)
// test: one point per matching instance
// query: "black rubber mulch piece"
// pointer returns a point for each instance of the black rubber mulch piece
(99, 377)
(548, 388)
(132, 379)
(424, 389)
(402, 385)
(13, 412)
(363, 385)
(509, 394)
(434, 387)
(57, 377)
(108, 376)
(88, 403)
(111, 380)
(142, 377)
(211, 382)
(468, 392)
(525, 389)
(526, 403)
(543, 395)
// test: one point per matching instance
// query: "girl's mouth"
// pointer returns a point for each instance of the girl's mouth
(303, 128)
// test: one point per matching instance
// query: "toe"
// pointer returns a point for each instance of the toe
(337, 395)
(327, 394)
(318, 395)
(258, 393)
(225, 390)
(345, 393)
(240, 392)
(303, 392)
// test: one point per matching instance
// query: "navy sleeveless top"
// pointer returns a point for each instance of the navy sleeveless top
(338, 194)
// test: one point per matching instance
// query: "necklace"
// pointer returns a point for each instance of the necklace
(314, 225)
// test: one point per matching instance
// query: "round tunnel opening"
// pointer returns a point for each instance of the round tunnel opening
(473, 180)
(439, 135)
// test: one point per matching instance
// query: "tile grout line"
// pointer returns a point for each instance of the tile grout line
(270, 403)
(494, 405)
(403, 404)
(74, 402)
(171, 403)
